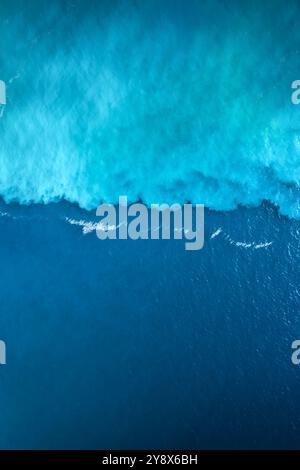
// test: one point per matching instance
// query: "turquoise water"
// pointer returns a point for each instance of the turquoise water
(162, 101)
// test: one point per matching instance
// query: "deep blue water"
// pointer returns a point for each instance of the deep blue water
(128, 344)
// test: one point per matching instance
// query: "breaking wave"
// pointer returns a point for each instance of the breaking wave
(161, 101)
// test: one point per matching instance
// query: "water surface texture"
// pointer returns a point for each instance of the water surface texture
(158, 100)
(140, 344)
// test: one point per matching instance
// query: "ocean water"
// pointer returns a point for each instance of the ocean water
(159, 100)
(141, 344)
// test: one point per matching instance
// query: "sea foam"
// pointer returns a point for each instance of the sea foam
(161, 101)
